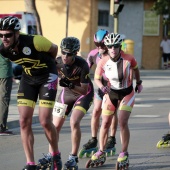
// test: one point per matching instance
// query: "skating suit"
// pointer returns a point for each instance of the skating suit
(39, 77)
(120, 78)
(77, 73)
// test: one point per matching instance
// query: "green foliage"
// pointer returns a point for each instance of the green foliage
(162, 7)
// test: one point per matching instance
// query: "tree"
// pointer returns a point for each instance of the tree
(30, 6)
(162, 7)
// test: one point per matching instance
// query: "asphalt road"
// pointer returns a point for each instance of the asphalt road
(148, 122)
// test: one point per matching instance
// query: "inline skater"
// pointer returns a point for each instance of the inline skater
(165, 141)
(93, 58)
(117, 67)
(37, 55)
(76, 95)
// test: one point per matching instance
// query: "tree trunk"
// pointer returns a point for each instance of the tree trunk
(30, 6)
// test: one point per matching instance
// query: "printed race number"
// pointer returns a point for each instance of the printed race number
(59, 109)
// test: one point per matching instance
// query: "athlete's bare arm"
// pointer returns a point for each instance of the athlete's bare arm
(53, 50)
(83, 89)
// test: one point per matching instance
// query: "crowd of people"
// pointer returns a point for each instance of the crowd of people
(43, 70)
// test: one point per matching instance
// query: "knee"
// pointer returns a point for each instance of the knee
(25, 122)
(123, 123)
(74, 124)
(106, 124)
(96, 114)
(45, 123)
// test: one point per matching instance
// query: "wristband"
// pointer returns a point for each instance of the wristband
(139, 82)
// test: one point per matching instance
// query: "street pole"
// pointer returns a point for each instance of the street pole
(67, 16)
(115, 23)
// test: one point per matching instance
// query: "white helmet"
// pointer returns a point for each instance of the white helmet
(113, 39)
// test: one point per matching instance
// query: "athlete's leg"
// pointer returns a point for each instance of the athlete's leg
(75, 120)
(108, 110)
(123, 117)
(95, 121)
(26, 131)
(114, 123)
(45, 117)
(106, 122)
(125, 109)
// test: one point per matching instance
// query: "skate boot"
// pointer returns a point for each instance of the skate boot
(110, 146)
(164, 142)
(98, 159)
(44, 162)
(30, 167)
(56, 163)
(122, 161)
(89, 148)
(71, 163)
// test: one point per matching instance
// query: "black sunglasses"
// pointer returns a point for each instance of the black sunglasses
(99, 44)
(114, 45)
(8, 35)
(65, 53)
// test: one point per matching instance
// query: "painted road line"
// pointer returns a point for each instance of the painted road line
(164, 99)
(147, 116)
(142, 105)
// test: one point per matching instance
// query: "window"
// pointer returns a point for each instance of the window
(103, 18)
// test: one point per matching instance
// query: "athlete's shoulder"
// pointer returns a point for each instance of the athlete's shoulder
(126, 56)
(81, 59)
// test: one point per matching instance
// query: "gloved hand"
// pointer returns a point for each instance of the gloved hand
(64, 82)
(105, 89)
(138, 88)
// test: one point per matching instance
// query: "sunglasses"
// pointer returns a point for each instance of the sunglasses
(100, 44)
(8, 35)
(65, 53)
(114, 45)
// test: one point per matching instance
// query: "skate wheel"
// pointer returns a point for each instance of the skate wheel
(87, 155)
(108, 154)
(81, 153)
(88, 164)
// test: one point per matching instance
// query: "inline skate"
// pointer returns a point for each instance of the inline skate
(122, 161)
(164, 142)
(49, 162)
(89, 148)
(45, 162)
(71, 163)
(110, 146)
(30, 167)
(98, 159)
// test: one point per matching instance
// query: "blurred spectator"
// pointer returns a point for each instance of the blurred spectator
(5, 92)
(165, 47)
(17, 72)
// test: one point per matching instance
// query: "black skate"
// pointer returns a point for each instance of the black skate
(71, 164)
(88, 149)
(122, 161)
(110, 147)
(56, 162)
(98, 159)
(44, 162)
(30, 167)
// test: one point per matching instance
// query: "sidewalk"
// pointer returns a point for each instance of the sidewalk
(150, 78)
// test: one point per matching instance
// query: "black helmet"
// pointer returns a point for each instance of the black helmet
(70, 45)
(10, 23)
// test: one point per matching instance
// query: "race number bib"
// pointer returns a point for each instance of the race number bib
(59, 109)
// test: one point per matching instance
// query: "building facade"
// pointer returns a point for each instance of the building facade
(86, 17)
